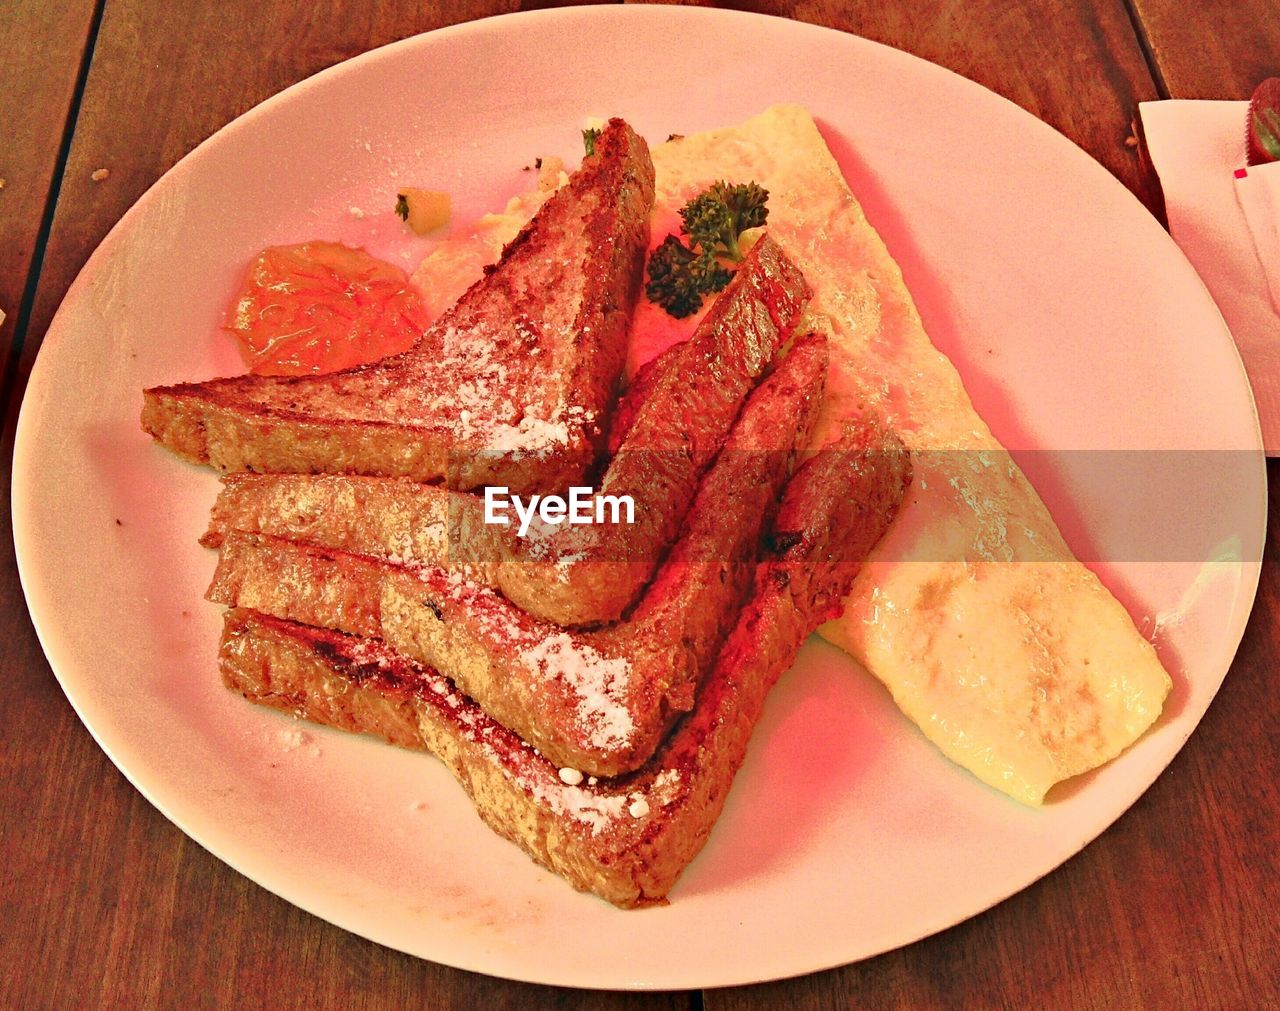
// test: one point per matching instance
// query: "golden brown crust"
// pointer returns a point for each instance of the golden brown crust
(675, 425)
(599, 701)
(512, 386)
(387, 517)
(688, 409)
(625, 839)
(316, 586)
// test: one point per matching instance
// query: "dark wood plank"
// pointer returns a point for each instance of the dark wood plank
(104, 902)
(1075, 65)
(166, 76)
(1211, 49)
(38, 78)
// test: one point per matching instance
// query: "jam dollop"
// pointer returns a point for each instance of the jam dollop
(320, 307)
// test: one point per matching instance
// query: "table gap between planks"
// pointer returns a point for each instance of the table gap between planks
(122, 906)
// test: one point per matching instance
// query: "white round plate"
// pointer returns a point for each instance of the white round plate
(1074, 319)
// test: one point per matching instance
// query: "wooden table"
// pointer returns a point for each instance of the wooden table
(106, 903)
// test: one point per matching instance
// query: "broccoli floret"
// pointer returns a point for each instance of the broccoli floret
(679, 274)
(715, 219)
(589, 138)
(708, 222)
(747, 202)
(679, 277)
(674, 281)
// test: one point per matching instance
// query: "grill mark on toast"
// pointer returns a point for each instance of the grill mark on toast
(599, 702)
(403, 416)
(588, 833)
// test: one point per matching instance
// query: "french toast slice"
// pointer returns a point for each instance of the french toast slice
(511, 386)
(691, 396)
(598, 702)
(688, 410)
(571, 576)
(629, 838)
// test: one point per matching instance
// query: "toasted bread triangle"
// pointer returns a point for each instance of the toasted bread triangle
(598, 701)
(512, 386)
(688, 410)
(627, 839)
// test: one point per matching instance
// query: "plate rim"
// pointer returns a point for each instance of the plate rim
(24, 436)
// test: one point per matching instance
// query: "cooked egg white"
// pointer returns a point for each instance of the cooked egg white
(1010, 655)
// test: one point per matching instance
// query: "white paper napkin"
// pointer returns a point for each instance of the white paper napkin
(1258, 191)
(1227, 221)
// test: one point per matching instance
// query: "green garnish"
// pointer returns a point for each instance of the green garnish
(679, 277)
(589, 138)
(402, 207)
(679, 274)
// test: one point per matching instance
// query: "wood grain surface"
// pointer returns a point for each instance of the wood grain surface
(36, 107)
(1212, 48)
(1029, 51)
(105, 903)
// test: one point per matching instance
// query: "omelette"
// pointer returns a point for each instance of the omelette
(1009, 654)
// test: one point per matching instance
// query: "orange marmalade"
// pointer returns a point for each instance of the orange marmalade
(320, 307)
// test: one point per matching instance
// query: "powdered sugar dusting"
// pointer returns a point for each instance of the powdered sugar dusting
(481, 404)
(481, 383)
(592, 808)
(599, 808)
(598, 805)
(372, 652)
(599, 681)
(532, 433)
(666, 786)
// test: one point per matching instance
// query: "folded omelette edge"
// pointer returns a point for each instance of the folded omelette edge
(1010, 655)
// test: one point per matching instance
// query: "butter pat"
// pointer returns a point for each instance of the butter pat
(425, 210)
